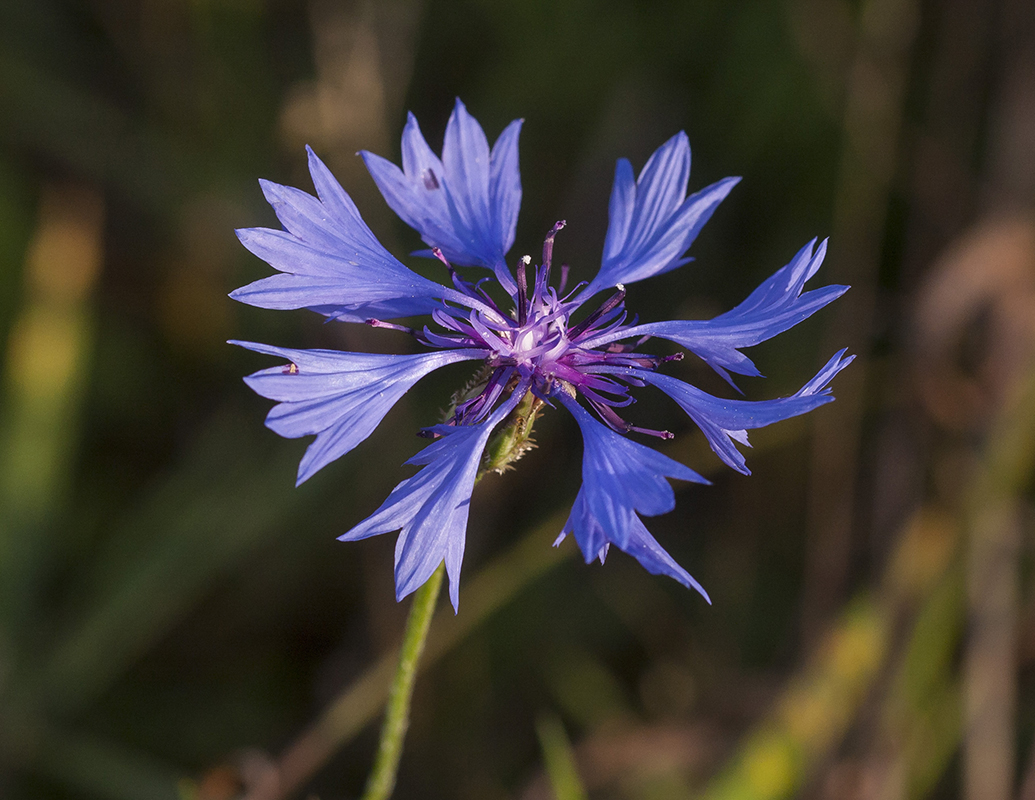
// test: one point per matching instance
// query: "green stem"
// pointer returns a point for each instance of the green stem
(397, 716)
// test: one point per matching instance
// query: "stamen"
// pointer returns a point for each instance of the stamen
(377, 323)
(610, 304)
(652, 432)
(618, 424)
(441, 257)
(641, 360)
(548, 245)
(539, 291)
(574, 291)
(476, 289)
(534, 344)
(432, 339)
(620, 395)
(522, 290)
(458, 282)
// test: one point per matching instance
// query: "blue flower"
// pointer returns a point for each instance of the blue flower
(547, 351)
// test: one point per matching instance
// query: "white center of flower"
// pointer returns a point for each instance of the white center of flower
(525, 341)
(541, 341)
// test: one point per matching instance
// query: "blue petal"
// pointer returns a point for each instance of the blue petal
(594, 542)
(467, 203)
(727, 421)
(505, 185)
(339, 397)
(774, 307)
(621, 477)
(465, 156)
(330, 260)
(417, 192)
(379, 309)
(431, 508)
(620, 211)
(652, 223)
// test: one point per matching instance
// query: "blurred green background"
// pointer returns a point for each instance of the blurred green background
(178, 621)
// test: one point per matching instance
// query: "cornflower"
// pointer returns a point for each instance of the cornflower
(546, 345)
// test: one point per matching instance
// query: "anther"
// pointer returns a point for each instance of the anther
(522, 290)
(458, 282)
(610, 304)
(441, 257)
(377, 323)
(651, 432)
(548, 245)
(615, 422)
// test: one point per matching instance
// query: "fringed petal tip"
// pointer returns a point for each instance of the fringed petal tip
(776, 305)
(621, 478)
(326, 256)
(651, 221)
(726, 423)
(408, 587)
(593, 541)
(465, 203)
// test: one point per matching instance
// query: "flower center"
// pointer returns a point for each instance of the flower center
(543, 336)
(526, 341)
(535, 347)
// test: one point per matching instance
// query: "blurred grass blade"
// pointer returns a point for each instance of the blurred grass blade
(820, 703)
(813, 713)
(559, 759)
(45, 370)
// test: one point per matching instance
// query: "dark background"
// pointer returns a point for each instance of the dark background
(175, 615)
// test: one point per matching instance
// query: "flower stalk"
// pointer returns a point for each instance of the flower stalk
(397, 714)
